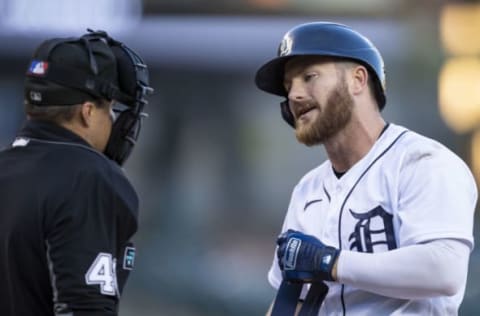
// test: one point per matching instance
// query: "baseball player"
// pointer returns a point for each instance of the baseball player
(384, 226)
(68, 212)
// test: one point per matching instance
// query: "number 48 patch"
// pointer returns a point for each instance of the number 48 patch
(103, 272)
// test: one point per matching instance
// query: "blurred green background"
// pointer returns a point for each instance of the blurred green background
(215, 164)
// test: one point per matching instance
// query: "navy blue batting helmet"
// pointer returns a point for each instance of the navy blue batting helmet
(322, 39)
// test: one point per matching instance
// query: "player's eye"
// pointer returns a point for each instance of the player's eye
(309, 76)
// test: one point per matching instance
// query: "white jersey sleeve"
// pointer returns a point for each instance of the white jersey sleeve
(291, 222)
(437, 195)
(275, 275)
(418, 271)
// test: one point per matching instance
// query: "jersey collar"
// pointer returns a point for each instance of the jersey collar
(48, 131)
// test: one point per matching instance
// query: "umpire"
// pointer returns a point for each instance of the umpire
(68, 212)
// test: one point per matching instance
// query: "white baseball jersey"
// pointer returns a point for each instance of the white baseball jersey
(407, 190)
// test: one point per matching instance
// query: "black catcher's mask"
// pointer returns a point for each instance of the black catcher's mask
(134, 84)
(70, 71)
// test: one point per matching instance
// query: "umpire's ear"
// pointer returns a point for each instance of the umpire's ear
(87, 111)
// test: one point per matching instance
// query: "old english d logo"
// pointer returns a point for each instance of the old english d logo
(373, 228)
(285, 46)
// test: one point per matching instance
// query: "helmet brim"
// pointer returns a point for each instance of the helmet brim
(269, 77)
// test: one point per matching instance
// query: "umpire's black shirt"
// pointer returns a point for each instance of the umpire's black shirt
(66, 216)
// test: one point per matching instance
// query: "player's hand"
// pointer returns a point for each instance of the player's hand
(304, 258)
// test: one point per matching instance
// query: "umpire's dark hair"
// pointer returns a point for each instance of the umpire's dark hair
(58, 113)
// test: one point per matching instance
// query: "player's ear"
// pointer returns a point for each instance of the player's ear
(359, 80)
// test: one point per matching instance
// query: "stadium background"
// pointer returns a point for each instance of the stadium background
(215, 164)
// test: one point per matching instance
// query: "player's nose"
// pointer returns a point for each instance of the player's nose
(296, 91)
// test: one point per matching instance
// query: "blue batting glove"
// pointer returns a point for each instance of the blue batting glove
(304, 258)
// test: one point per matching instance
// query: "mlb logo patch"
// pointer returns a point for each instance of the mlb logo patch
(129, 258)
(38, 68)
